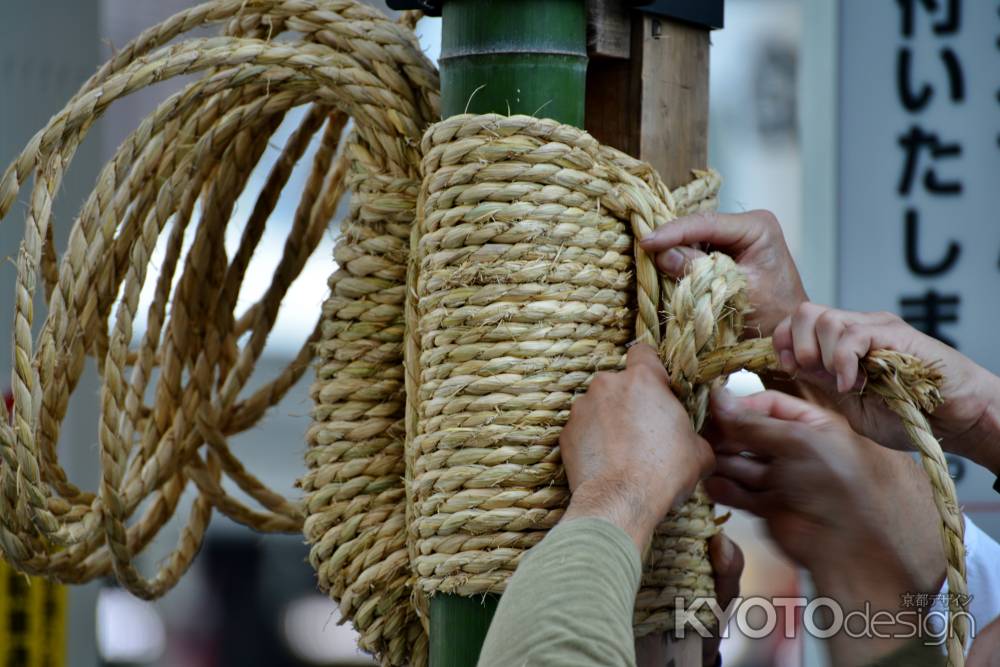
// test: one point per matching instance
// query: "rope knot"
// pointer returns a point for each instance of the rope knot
(704, 311)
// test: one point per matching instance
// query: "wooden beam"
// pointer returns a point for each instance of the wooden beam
(610, 114)
(650, 100)
(609, 29)
(653, 104)
(672, 69)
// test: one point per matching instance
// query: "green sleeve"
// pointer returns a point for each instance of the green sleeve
(570, 602)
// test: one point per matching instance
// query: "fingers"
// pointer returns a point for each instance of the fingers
(827, 342)
(768, 424)
(727, 565)
(853, 344)
(731, 233)
(706, 459)
(727, 562)
(642, 355)
(830, 326)
(702, 460)
(674, 262)
(774, 404)
(725, 491)
(749, 473)
(874, 331)
(845, 338)
(781, 338)
(805, 344)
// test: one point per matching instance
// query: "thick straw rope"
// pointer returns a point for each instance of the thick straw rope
(524, 280)
(198, 147)
(526, 284)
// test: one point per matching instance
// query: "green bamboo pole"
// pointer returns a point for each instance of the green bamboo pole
(514, 56)
(510, 57)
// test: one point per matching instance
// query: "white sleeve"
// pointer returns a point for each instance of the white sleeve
(982, 563)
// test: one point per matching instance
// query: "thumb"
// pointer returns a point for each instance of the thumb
(768, 424)
(674, 262)
(773, 404)
(727, 565)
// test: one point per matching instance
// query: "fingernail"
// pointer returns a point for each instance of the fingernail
(787, 361)
(841, 383)
(727, 550)
(725, 401)
(672, 261)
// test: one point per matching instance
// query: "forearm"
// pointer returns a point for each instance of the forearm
(891, 642)
(570, 602)
(889, 632)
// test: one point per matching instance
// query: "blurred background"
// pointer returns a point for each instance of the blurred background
(776, 131)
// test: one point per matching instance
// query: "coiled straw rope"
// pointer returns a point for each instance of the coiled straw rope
(517, 282)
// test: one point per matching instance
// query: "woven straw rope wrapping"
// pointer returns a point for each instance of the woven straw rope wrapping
(526, 288)
(523, 282)
(355, 493)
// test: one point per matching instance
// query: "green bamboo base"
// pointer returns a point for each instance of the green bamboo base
(458, 628)
(517, 84)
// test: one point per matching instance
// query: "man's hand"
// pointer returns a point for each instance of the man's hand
(825, 491)
(629, 449)
(985, 651)
(754, 240)
(823, 347)
(859, 517)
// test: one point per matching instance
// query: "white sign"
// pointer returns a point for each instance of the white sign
(919, 179)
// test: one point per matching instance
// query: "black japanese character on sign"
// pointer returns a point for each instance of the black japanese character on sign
(928, 312)
(912, 101)
(915, 101)
(913, 261)
(949, 25)
(912, 142)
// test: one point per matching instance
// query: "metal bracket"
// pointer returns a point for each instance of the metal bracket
(428, 7)
(704, 13)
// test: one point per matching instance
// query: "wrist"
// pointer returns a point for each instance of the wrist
(869, 570)
(619, 502)
(880, 599)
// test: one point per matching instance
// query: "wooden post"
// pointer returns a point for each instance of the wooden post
(672, 77)
(647, 95)
(647, 88)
